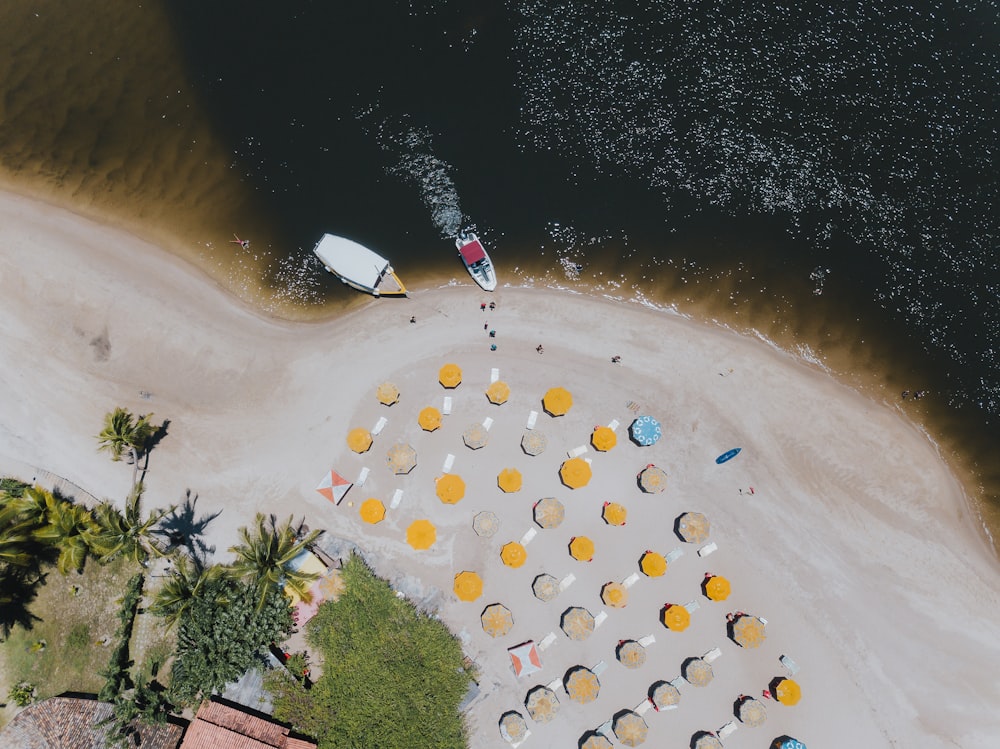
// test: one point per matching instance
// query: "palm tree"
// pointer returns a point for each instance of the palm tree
(264, 556)
(116, 534)
(67, 528)
(186, 582)
(122, 433)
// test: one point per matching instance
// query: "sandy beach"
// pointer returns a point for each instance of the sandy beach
(857, 545)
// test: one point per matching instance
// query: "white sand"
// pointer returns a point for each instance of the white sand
(858, 546)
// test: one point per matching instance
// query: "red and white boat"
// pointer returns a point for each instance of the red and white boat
(476, 261)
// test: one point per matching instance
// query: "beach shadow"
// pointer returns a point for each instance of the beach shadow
(699, 736)
(157, 436)
(677, 528)
(182, 528)
(20, 587)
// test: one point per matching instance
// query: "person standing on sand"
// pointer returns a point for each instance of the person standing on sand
(539, 349)
(493, 305)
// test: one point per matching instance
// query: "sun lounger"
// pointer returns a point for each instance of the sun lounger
(711, 655)
(692, 606)
(647, 640)
(532, 418)
(643, 707)
(667, 707)
(598, 669)
(547, 640)
(674, 555)
(379, 425)
(528, 535)
(599, 619)
(567, 581)
(448, 463)
(613, 425)
(788, 663)
(494, 375)
(555, 684)
(576, 452)
(762, 620)
(363, 476)
(487, 423)
(631, 580)
(677, 682)
(397, 497)
(727, 730)
(446, 406)
(707, 549)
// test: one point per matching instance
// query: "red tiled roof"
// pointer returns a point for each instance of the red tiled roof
(219, 726)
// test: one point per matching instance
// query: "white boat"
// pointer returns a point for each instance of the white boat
(476, 261)
(358, 267)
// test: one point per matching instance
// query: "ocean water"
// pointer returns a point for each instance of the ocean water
(819, 174)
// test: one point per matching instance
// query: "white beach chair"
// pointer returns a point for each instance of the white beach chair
(631, 580)
(711, 655)
(528, 535)
(727, 730)
(379, 425)
(692, 606)
(555, 684)
(789, 664)
(598, 669)
(707, 549)
(643, 707)
(487, 423)
(532, 419)
(588, 461)
(494, 375)
(667, 707)
(397, 497)
(567, 581)
(762, 620)
(647, 640)
(674, 555)
(613, 425)
(576, 452)
(362, 477)
(448, 463)
(547, 640)
(677, 682)
(446, 406)
(599, 619)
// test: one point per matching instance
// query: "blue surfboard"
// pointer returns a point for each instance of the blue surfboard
(728, 455)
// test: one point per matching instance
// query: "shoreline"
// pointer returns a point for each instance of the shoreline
(860, 545)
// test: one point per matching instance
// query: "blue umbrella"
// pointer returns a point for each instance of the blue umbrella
(787, 742)
(645, 431)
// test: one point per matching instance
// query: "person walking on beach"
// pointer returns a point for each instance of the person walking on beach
(493, 305)
(539, 349)
(482, 307)
(413, 318)
(616, 359)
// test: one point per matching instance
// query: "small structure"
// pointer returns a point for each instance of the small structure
(450, 488)
(748, 631)
(334, 486)
(751, 712)
(614, 513)
(697, 672)
(577, 622)
(513, 727)
(545, 587)
(716, 588)
(615, 594)
(787, 691)
(533, 442)
(603, 439)
(705, 740)
(653, 564)
(359, 440)
(510, 480)
(663, 695)
(513, 554)
(372, 511)
(692, 527)
(217, 725)
(631, 654)
(429, 419)
(421, 534)
(525, 659)
(581, 548)
(475, 436)
(675, 617)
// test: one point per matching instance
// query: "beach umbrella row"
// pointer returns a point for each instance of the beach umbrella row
(645, 431)
(581, 548)
(614, 513)
(401, 458)
(429, 419)
(475, 436)
(603, 439)
(615, 595)
(596, 741)
(498, 392)
(372, 511)
(748, 631)
(692, 527)
(664, 694)
(675, 617)
(577, 623)
(486, 524)
(653, 564)
(513, 727)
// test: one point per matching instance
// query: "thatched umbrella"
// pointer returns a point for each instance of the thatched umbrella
(582, 685)
(421, 534)
(450, 488)
(510, 480)
(614, 513)
(697, 672)
(533, 442)
(653, 564)
(475, 436)
(545, 587)
(615, 594)
(751, 712)
(429, 419)
(486, 523)
(542, 704)
(663, 694)
(557, 401)
(603, 439)
(498, 392)
(596, 741)
(575, 473)
(513, 554)
(513, 727)
(450, 376)
(652, 480)
(692, 527)
(748, 631)
(497, 620)
(359, 440)
(387, 393)
(705, 740)
(372, 511)
(549, 512)
(577, 623)
(468, 586)
(401, 458)
(630, 728)
(630, 653)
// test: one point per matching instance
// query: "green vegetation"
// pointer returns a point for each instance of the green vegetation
(125, 433)
(117, 671)
(392, 676)
(125, 534)
(263, 556)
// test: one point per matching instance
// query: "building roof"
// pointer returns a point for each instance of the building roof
(221, 726)
(60, 722)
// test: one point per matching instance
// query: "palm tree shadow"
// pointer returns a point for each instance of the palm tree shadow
(157, 436)
(184, 530)
(20, 588)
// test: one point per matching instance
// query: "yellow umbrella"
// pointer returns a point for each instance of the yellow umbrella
(421, 534)
(372, 511)
(615, 594)
(675, 618)
(577, 623)
(575, 473)
(513, 554)
(497, 620)
(557, 401)
(614, 513)
(359, 440)
(603, 439)
(450, 488)
(549, 512)
(582, 685)
(387, 393)
(429, 419)
(716, 588)
(498, 392)
(653, 564)
(748, 631)
(450, 376)
(468, 586)
(788, 692)
(581, 548)
(692, 527)
(509, 480)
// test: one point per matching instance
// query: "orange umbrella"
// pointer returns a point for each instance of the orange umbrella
(603, 439)
(581, 548)
(468, 586)
(372, 511)
(675, 618)
(513, 554)
(653, 564)
(450, 488)
(359, 440)
(498, 392)
(788, 692)
(429, 419)
(421, 534)
(716, 588)
(557, 401)
(577, 623)
(614, 513)
(497, 620)
(450, 376)
(615, 594)
(692, 527)
(387, 393)
(748, 631)
(549, 512)
(575, 473)
(582, 685)
(509, 480)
